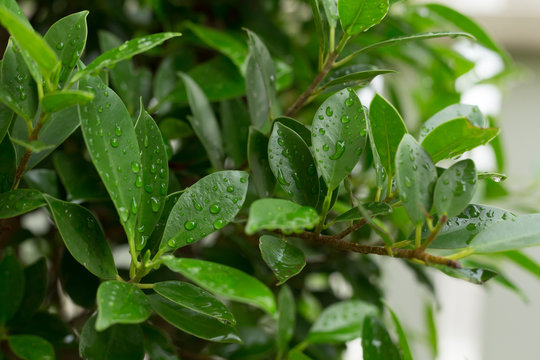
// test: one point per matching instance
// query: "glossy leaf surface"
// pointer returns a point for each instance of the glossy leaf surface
(455, 188)
(205, 207)
(296, 126)
(224, 281)
(83, 237)
(57, 101)
(353, 80)
(470, 112)
(11, 285)
(359, 15)
(120, 303)
(279, 214)
(36, 146)
(376, 341)
(259, 165)
(284, 259)
(293, 165)
(373, 208)
(338, 136)
(194, 298)
(44, 180)
(20, 201)
(476, 276)
(30, 347)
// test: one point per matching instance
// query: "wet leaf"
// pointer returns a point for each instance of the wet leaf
(155, 239)
(475, 276)
(263, 179)
(30, 347)
(374, 209)
(6, 116)
(36, 146)
(455, 188)
(296, 126)
(331, 11)
(404, 348)
(60, 100)
(376, 341)
(224, 281)
(11, 285)
(19, 201)
(279, 214)
(284, 259)
(83, 237)
(353, 80)
(235, 127)
(44, 180)
(470, 112)
(359, 15)
(8, 164)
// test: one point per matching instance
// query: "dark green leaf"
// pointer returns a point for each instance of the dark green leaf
(194, 323)
(77, 282)
(125, 51)
(158, 344)
(119, 342)
(35, 286)
(286, 319)
(297, 355)
(359, 15)
(376, 342)
(293, 165)
(263, 179)
(404, 348)
(205, 207)
(224, 281)
(284, 259)
(356, 79)
(67, 38)
(338, 136)
(155, 239)
(36, 146)
(319, 25)
(194, 298)
(30, 347)
(83, 237)
(20, 201)
(44, 180)
(6, 116)
(471, 112)
(60, 100)
(154, 178)
(204, 122)
(475, 276)
(455, 188)
(8, 164)
(11, 285)
(112, 143)
(299, 128)
(340, 322)
(416, 177)
(120, 303)
(279, 214)
(374, 209)
(173, 128)
(235, 127)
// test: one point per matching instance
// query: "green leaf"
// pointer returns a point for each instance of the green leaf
(460, 230)
(471, 112)
(78, 283)
(466, 24)
(35, 286)
(376, 342)
(374, 209)
(284, 259)
(386, 129)
(524, 261)
(456, 136)
(67, 38)
(60, 100)
(235, 127)
(274, 214)
(44, 180)
(158, 344)
(194, 298)
(123, 52)
(475, 276)
(155, 239)
(79, 177)
(173, 128)
(205, 207)
(455, 188)
(192, 322)
(432, 331)
(416, 177)
(286, 319)
(319, 25)
(154, 178)
(514, 233)
(30, 41)
(339, 136)
(297, 355)
(30, 347)
(11, 285)
(6, 116)
(263, 179)
(19, 201)
(120, 303)
(8, 165)
(357, 16)
(83, 237)
(224, 281)
(119, 342)
(36, 146)
(296, 126)
(340, 322)
(331, 11)
(112, 143)
(19, 92)
(404, 348)
(353, 80)
(260, 82)
(204, 122)
(293, 165)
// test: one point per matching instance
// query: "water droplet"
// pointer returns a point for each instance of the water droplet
(471, 227)
(124, 213)
(163, 189)
(138, 181)
(153, 169)
(219, 223)
(281, 142)
(345, 119)
(100, 109)
(340, 149)
(171, 243)
(321, 117)
(329, 111)
(322, 131)
(196, 205)
(117, 130)
(243, 180)
(134, 206)
(281, 178)
(190, 225)
(349, 102)
(60, 45)
(114, 142)
(148, 188)
(403, 196)
(230, 189)
(154, 204)
(445, 182)
(408, 182)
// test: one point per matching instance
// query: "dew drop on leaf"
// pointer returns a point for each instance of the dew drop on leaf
(340, 149)
(190, 225)
(215, 208)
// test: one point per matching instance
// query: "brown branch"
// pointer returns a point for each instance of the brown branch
(27, 153)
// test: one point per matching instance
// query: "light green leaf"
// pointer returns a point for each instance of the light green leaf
(455, 188)
(120, 303)
(353, 80)
(11, 285)
(404, 348)
(204, 122)
(194, 298)
(386, 128)
(8, 165)
(36, 146)
(416, 177)
(331, 11)
(376, 342)
(67, 38)
(297, 355)
(205, 207)
(125, 51)
(112, 143)
(475, 276)
(263, 179)
(284, 259)
(279, 214)
(470, 112)
(192, 322)
(286, 319)
(523, 261)
(154, 179)
(339, 136)
(224, 281)
(98, 345)
(293, 165)
(373, 208)
(340, 322)
(60, 100)
(19, 201)
(357, 16)
(83, 237)
(30, 347)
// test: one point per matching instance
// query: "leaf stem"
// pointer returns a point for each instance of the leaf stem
(324, 211)
(418, 236)
(433, 234)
